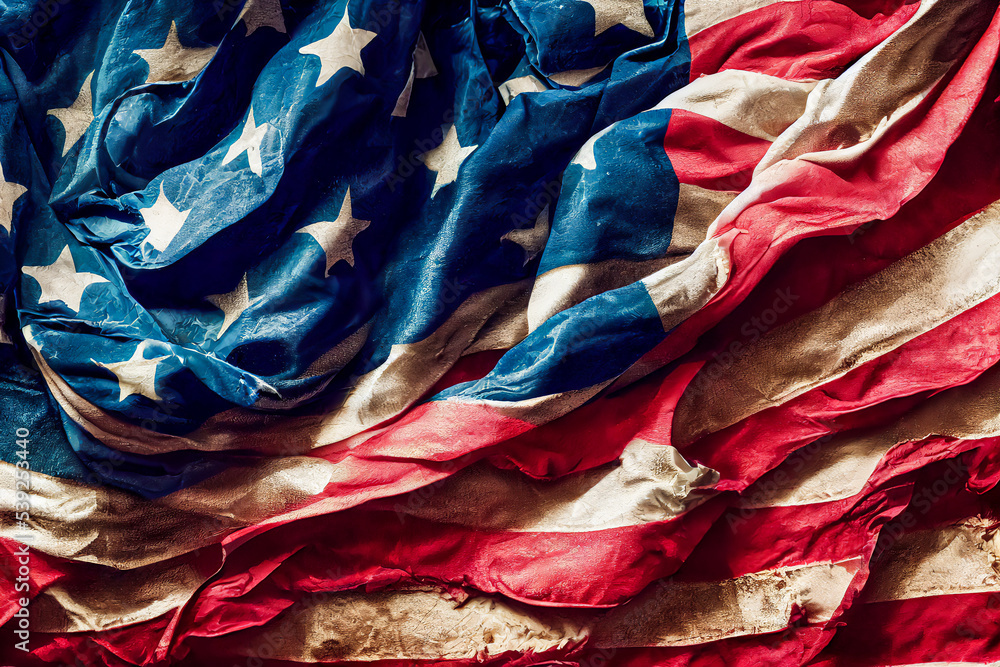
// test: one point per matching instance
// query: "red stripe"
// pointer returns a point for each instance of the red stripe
(42, 571)
(378, 548)
(795, 646)
(952, 354)
(946, 628)
(802, 40)
(709, 154)
(468, 368)
(122, 647)
(746, 540)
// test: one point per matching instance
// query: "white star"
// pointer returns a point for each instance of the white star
(576, 77)
(422, 68)
(337, 236)
(173, 61)
(262, 14)
(232, 304)
(9, 193)
(511, 88)
(249, 141)
(163, 220)
(532, 240)
(585, 157)
(403, 101)
(61, 282)
(446, 159)
(136, 375)
(422, 60)
(342, 48)
(76, 117)
(629, 13)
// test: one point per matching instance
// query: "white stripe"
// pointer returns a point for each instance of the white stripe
(426, 624)
(944, 561)
(867, 320)
(755, 104)
(701, 14)
(651, 483)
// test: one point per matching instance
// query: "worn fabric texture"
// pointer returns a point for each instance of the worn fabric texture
(507, 332)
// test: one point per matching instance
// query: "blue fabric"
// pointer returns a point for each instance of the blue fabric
(418, 251)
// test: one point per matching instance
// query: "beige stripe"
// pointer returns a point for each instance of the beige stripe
(841, 468)
(576, 77)
(696, 613)
(507, 327)
(945, 561)
(755, 104)
(871, 318)
(111, 527)
(411, 625)
(681, 289)
(424, 624)
(538, 410)
(565, 286)
(701, 14)
(405, 376)
(651, 483)
(697, 208)
(340, 354)
(93, 598)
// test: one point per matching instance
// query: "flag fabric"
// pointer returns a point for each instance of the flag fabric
(507, 332)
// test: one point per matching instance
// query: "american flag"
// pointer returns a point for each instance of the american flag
(508, 332)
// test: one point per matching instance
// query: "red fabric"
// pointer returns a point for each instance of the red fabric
(709, 154)
(746, 540)
(797, 40)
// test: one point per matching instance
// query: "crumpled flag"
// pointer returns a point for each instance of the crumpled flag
(564, 332)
